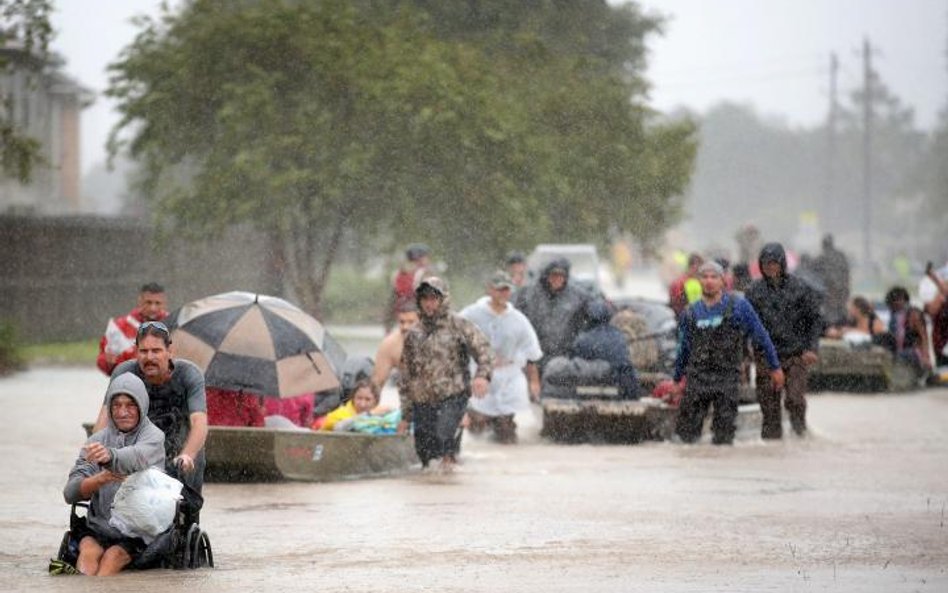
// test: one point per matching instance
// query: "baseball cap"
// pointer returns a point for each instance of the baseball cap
(500, 279)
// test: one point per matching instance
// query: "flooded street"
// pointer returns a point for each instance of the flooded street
(858, 506)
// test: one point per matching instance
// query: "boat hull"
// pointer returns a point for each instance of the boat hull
(626, 422)
(245, 454)
(236, 454)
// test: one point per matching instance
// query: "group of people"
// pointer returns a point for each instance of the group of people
(509, 334)
(512, 343)
(906, 334)
(784, 315)
(780, 314)
(478, 367)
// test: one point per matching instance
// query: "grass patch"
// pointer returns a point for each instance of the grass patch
(352, 297)
(11, 352)
(81, 353)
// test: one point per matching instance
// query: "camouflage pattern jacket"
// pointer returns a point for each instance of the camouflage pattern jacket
(436, 357)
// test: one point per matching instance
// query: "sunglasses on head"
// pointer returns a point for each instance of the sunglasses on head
(156, 326)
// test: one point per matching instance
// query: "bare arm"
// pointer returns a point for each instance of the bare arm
(385, 360)
(197, 435)
(533, 379)
(91, 485)
(86, 477)
(933, 306)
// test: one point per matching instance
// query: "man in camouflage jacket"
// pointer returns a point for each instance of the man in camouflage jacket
(436, 383)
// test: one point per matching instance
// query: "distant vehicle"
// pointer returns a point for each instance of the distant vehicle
(583, 259)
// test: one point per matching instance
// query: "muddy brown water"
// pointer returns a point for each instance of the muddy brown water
(860, 505)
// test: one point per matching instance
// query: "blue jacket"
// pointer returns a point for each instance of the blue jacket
(602, 341)
(743, 315)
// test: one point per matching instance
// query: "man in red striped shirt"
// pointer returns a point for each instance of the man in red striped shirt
(118, 343)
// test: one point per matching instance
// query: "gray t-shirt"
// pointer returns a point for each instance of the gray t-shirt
(172, 402)
(186, 384)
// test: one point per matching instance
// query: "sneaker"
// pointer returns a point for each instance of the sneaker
(57, 567)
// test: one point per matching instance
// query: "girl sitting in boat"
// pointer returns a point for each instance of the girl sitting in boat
(361, 413)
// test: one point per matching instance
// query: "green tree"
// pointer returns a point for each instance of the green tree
(24, 38)
(395, 120)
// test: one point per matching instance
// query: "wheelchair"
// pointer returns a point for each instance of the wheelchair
(183, 545)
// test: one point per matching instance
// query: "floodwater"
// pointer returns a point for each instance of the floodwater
(860, 505)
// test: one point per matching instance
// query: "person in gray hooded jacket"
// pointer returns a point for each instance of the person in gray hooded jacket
(555, 308)
(128, 443)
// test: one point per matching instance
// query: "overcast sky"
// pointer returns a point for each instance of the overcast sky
(771, 54)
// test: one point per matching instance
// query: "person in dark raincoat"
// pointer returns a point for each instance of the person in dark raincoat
(789, 308)
(603, 341)
(832, 267)
(555, 309)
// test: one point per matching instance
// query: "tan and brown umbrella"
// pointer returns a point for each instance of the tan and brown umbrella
(257, 344)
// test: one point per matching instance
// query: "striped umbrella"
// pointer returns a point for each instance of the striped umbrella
(257, 344)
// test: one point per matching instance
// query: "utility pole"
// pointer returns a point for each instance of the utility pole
(867, 120)
(830, 208)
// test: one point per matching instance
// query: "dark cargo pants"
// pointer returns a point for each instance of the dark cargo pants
(694, 407)
(438, 428)
(794, 399)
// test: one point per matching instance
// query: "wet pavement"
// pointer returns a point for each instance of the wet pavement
(859, 505)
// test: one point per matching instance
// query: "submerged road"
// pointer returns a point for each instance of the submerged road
(860, 505)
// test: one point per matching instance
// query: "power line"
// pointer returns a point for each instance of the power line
(812, 72)
(809, 58)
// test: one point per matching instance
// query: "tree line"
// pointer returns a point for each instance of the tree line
(475, 125)
(755, 169)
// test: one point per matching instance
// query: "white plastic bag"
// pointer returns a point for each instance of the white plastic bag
(145, 503)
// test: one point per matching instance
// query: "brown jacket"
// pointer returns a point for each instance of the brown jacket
(436, 358)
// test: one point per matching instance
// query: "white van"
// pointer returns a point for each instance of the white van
(583, 259)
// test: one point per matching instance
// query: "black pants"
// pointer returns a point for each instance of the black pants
(794, 397)
(438, 427)
(694, 407)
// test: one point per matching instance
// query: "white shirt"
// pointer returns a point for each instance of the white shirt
(514, 343)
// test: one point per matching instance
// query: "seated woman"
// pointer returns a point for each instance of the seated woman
(364, 400)
(602, 341)
(907, 333)
(863, 324)
(128, 443)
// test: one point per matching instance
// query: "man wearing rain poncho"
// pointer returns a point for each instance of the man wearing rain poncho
(516, 351)
(128, 443)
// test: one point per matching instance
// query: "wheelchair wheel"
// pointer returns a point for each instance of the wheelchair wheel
(201, 554)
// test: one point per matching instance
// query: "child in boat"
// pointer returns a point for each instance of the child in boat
(364, 401)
